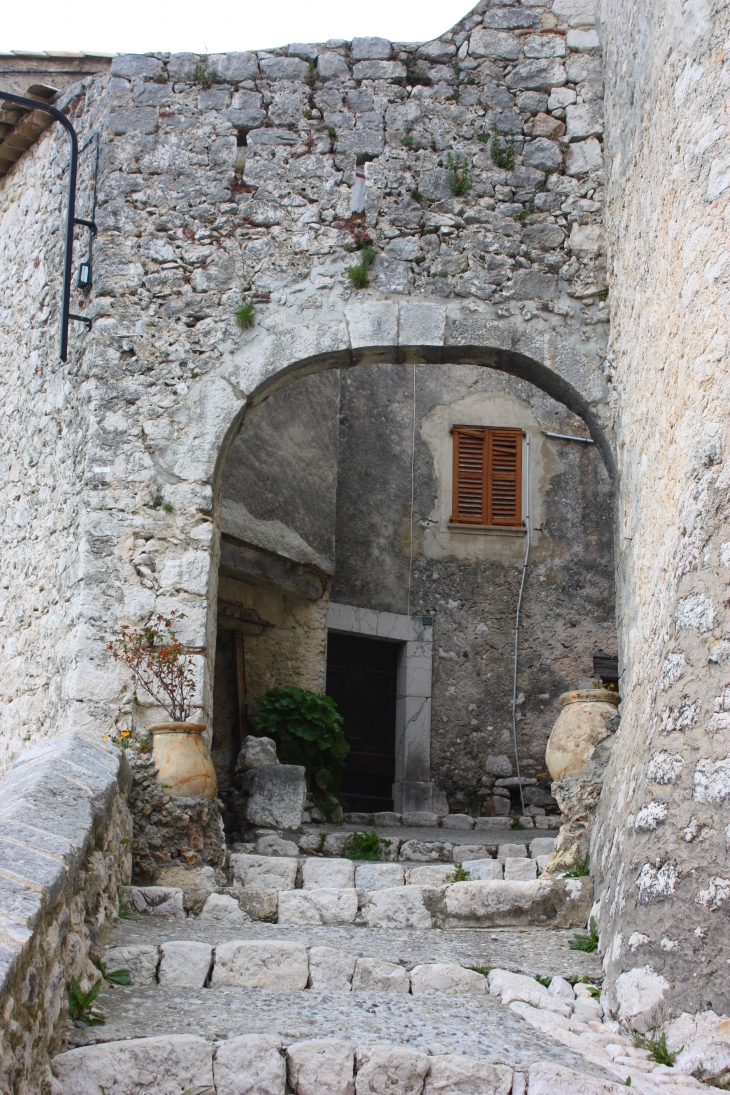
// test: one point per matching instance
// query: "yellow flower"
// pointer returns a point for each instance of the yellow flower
(106, 737)
(124, 734)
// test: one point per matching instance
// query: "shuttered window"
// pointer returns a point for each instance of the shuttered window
(487, 476)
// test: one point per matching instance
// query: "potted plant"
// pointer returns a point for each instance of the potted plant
(163, 668)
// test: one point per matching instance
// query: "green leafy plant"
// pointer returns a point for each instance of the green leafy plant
(114, 977)
(81, 1004)
(407, 141)
(582, 942)
(245, 314)
(545, 981)
(603, 294)
(484, 970)
(517, 824)
(415, 75)
(366, 845)
(457, 168)
(311, 78)
(526, 212)
(627, 1082)
(307, 728)
(458, 874)
(485, 136)
(581, 869)
(417, 195)
(205, 79)
(168, 507)
(159, 663)
(321, 837)
(358, 276)
(327, 806)
(502, 155)
(657, 1048)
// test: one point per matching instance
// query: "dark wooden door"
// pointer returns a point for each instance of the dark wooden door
(361, 678)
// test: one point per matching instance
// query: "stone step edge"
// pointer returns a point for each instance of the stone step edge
(192, 964)
(276, 842)
(558, 903)
(327, 1065)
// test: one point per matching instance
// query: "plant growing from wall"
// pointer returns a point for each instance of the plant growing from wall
(457, 168)
(358, 275)
(364, 845)
(245, 314)
(581, 869)
(503, 155)
(307, 729)
(657, 1047)
(159, 663)
(205, 79)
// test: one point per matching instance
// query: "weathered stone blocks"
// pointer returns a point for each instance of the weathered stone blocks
(383, 1070)
(254, 964)
(321, 1067)
(451, 1074)
(172, 1063)
(331, 969)
(251, 1063)
(377, 975)
(261, 872)
(400, 907)
(276, 794)
(331, 874)
(447, 977)
(379, 876)
(185, 964)
(321, 906)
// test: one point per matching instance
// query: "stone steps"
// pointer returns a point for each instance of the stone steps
(199, 987)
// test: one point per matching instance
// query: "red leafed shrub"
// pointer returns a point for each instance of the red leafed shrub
(159, 662)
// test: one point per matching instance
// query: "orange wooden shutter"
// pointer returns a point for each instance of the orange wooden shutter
(470, 494)
(487, 476)
(505, 477)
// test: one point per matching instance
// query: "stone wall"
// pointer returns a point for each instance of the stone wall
(661, 845)
(467, 581)
(121, 448)
(66, 849)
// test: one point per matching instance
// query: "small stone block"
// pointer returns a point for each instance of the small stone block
(520, 870)
(511, 851)
(328, 874)
(155, 901)
(377, 975)
(273, 845)
(483, 869)
(140, 959)
(359, 819)
(429, 875)
(452, 1074)
(446, 977)
(401, 907)
(458, 821)
(386, 818)
(379, 876)
(425, 851)
(542, 845)
(470, 851)
(330, 969)
(257, 964)
(260, 904)
(492, 823)
(422, 819)
(185, 964)
(321, 1067)
(258, 872)
(178, 1061)
(305, 908)
(252, 1063)
(385, 1070)
(223, 909)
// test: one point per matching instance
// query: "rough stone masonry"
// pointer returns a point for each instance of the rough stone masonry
(228, 178)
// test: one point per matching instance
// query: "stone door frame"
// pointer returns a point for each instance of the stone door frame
(413, 789)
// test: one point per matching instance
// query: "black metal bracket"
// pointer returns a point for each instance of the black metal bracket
(91, 225)
(71, 219)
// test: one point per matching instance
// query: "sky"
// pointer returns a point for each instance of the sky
(216, 26)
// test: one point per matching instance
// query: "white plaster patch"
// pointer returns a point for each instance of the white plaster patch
(650, 817)
(725, 553)
(656, 884)
(638, 990)
(716, 894)
(695, 611)
(682, 717)
(712, 781)
(664, 767)
(671, 670)
(636, 940)
(668, 944)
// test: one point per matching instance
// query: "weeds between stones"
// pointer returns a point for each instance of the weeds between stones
(587, 943)
(458, 874)
(364, 845)
(245, 315)
(581, 870)
(81, 1004)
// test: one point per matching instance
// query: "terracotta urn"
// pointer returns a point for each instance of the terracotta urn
(184, 767)
(582, 737)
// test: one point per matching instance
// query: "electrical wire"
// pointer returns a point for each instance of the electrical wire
(517, 627)
(413, 464)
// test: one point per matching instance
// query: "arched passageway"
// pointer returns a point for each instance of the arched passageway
(333, 577)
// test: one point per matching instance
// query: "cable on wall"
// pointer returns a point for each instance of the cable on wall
(413, 465)
(517, 626)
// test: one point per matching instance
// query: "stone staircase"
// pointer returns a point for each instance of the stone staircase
(315, 974)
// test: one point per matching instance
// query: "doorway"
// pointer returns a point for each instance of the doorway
(362, 678)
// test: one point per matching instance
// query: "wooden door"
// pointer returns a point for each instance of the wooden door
(361, 678)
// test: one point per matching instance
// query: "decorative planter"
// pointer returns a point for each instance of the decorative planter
(588, 718)
(182, 759)
(578, 751)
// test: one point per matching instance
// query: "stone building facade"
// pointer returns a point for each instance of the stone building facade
(230, 178)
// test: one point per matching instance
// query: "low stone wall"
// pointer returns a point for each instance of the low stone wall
(64, 851)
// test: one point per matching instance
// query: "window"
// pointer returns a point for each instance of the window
(487, 476)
